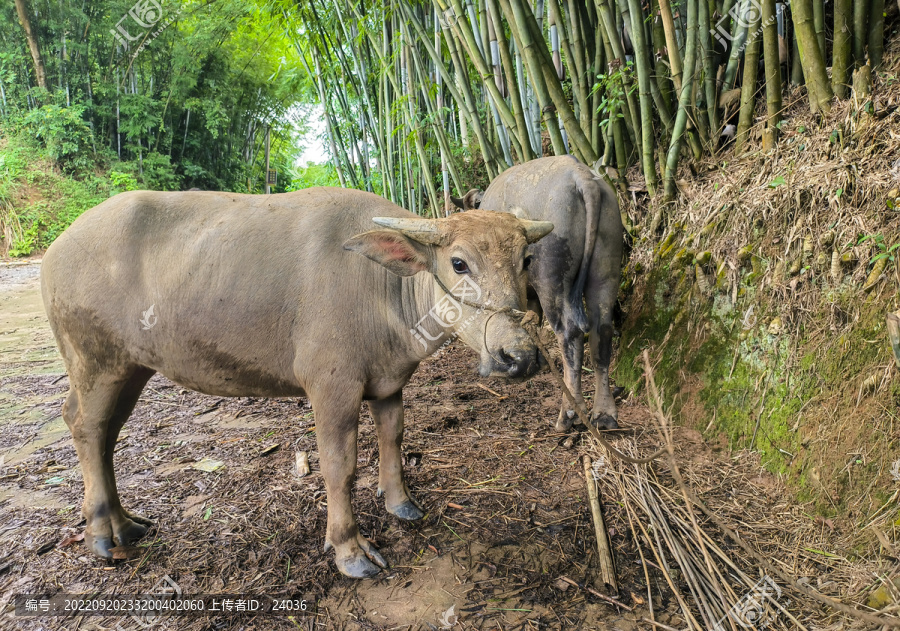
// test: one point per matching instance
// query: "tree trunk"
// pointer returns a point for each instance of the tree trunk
(24, 20)
(843, 44)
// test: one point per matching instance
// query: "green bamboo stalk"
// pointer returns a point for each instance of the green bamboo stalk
(860, 31)
(748, 89)
(668, 23)
(739, 37)
(487, 151)
(459, 90)
(690, 55)
(574, 57)
(506, 61)
(698, 100)
(709, 77)
(842, 48)
(619, 145)
(818, 86)
(462, 29)
(361, 88)
(819, 23)
(876, 34)
(342, 159)
(415, 130)
(528, 46)
(329, 129)
(661, 69)
(725, 12)
(384, 97)
(773, 73)
(611, 37)
(579, 46)
(597, 136)
(439, 132)
(643, 72)
(797, 77)
(494, 51)
(580, 142)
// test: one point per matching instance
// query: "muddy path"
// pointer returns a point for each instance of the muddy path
(507, 513)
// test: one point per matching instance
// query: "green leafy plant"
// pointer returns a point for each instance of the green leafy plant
(123, 181)
(64, 133)
(612, 88)
(884, 251)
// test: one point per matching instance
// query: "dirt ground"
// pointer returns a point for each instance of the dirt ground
(507, 511)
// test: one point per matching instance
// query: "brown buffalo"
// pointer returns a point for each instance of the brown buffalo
(298, 294)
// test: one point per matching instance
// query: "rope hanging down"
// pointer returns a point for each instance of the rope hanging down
(530, 322)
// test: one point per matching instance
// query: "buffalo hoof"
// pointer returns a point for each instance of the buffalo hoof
(132, 530)
(101, 546)
(357, 567)
(366, 562)
(604, 421)
(565, 421)
(619, 393)
(407, 511)
(138, 519)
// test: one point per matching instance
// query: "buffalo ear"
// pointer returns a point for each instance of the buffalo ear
(472, 199)
(390, 249)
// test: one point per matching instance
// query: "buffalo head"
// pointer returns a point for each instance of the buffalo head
(481, 258)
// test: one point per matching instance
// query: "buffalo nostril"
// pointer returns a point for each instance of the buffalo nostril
(506, 357)
(517, 356)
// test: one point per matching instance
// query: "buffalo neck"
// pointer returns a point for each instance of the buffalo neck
(429, 314)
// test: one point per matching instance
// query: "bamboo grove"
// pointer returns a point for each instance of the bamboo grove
(415, 93)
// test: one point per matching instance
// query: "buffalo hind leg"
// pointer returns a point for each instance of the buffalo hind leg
(388, 416)
(571, 343)
(95, 413)
(601, 300)
(337, 421)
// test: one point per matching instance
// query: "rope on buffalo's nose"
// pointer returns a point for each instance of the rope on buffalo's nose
(530, 322)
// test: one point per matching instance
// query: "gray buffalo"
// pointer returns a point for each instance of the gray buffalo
(576, 270)
(276, 296)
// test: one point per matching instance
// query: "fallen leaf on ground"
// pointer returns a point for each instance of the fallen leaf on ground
(208, 465)
(70, 540)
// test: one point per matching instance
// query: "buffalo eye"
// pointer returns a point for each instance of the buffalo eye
(459, 266)
(526, 263)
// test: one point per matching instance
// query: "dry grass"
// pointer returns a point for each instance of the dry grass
(743, 555)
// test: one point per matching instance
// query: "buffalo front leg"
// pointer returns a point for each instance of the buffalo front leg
(337, 421)
(94, 415)
(388, 416)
